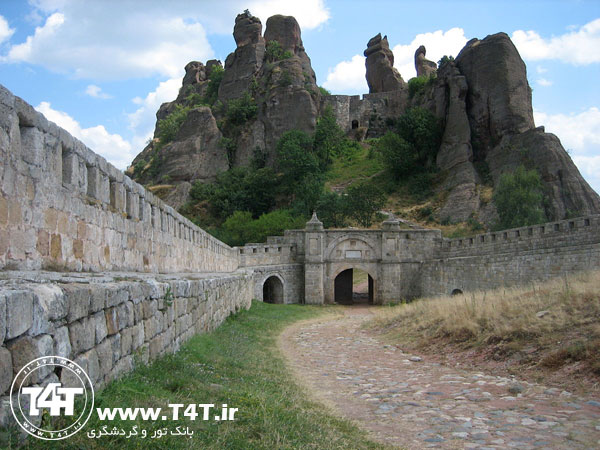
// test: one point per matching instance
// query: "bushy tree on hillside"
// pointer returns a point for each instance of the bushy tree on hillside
(421, 129)
(332, 210)
(363, 202)
(296, 159)
(399, 156)
(519, 199)
(239, 189)
(240, 228)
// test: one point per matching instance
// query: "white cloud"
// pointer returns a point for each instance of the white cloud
(310, 14)
(437, 44)
(96, 91)
(111, 146)
(541, 70)
(348, 77)
(5, 30)
(589, 166)
(92, 41)
(580, 135)
(579, 47)
(89, 40)
(544, 82)
(143, 120)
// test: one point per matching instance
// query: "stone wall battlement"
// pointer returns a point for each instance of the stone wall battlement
(570, 232)
(63, 206)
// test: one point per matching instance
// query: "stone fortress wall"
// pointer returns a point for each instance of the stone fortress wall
(139, 279)
(513, 257)
(94, 267)
(64, 207)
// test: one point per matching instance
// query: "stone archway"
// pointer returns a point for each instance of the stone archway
(344, 288)
(273, 290)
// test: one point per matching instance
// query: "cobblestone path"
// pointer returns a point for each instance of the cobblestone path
(409, 402)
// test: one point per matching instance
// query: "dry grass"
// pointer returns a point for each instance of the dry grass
(559, 319)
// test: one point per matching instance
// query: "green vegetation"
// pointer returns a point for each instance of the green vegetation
(519, 199)
(214, 81)
(444, 60)
(239, 365)
(241, 110)
(274, 52)
(363, 202)
(240, 227)
(170, 125)
(417, 85)
(238, 189)
(324, 91)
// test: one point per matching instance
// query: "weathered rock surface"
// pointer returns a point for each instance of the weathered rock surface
(381, 74)
(456, 155)
(499, 95)
(423, 66)
(482, 99)
(567, 192)
(246, 60)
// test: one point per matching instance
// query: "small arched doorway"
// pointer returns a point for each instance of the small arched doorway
(273, 290)
(354, 124)
(456, 292)
(353, 286)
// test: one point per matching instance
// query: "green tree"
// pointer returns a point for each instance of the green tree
(239, 189)
(296, 159)
(332, 210)
(399, 155)
(241, 110)
(214, 81)
(421, 129)
(519, 199)
(240, 228)
(330, 139)
(363, 202)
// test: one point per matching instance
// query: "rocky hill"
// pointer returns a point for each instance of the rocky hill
(228, 117)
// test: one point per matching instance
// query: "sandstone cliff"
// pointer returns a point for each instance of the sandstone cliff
(482, 100)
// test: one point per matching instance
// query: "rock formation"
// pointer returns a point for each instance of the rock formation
(423, 66)
(381, 74)
(482, 99)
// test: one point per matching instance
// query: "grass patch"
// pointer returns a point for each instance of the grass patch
(237, 364)
(555, 321)
(353, 168)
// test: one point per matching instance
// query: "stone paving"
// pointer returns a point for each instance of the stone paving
(406, 401)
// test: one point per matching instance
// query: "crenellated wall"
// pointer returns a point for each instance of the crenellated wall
(64, 207)
(513, 257)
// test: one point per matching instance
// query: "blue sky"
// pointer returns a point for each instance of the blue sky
(102, 68)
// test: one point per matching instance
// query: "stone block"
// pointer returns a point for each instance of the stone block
(97, 298)
(82, 334)
(62, 342)
(19, 312)
(150, 308)
(2, 318)
(116, 295)
(89, 360)
(137, 336)
(105, 357)
(25, 349)
(100, 326)
(115, 343)
(78, 301)
(49, 306)
(126, 341)
(112, 321)
(6, 370)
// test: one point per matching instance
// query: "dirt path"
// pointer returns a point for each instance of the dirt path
(407, 401)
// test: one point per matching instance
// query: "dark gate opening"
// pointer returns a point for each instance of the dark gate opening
(352, 287)
(273, 290)
(354, 124)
